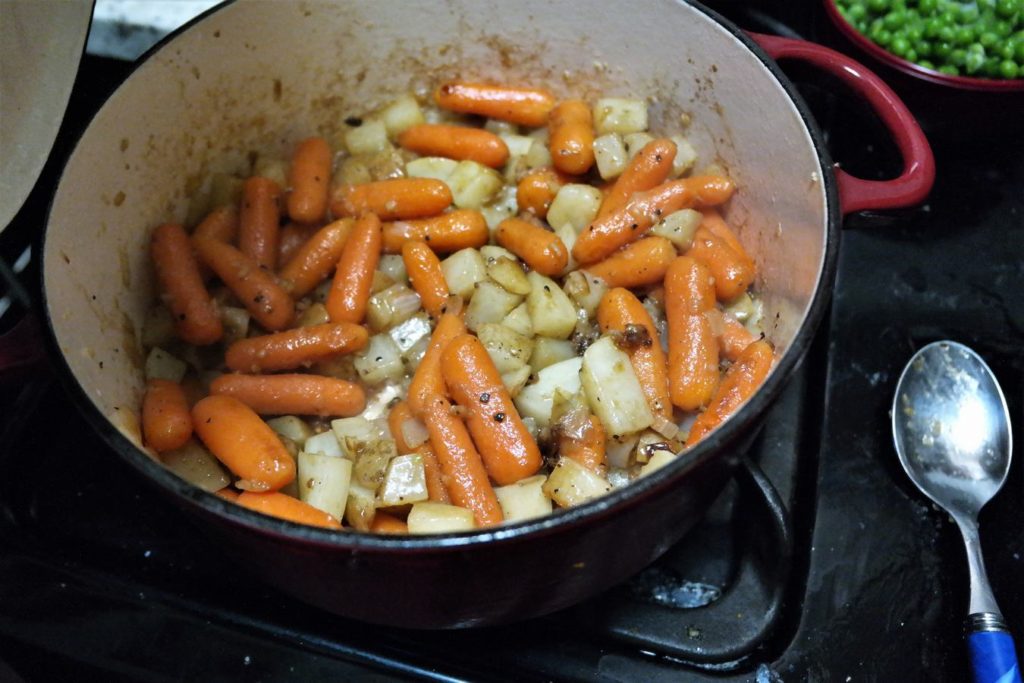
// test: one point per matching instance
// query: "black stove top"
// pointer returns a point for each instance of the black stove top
(819, 563)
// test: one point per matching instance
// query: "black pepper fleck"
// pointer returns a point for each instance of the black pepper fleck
(499, 417)
(485, 397)
(354, 121)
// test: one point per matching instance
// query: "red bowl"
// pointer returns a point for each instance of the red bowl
(916, 70)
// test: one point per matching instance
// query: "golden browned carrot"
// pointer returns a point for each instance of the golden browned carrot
(455, 142)
(740, 382)
(316, 258)
(256, 288)
(428, 381)
(285, 507)
(353, 278)
(196, 318)
(525, 106)
(541, 249)
(394, 199)
(648, 169)
(644, 209)
(464, 474)
(451, 231)
(166, 422)
(622, 313)
(293, 394)
(383, 523)
(587, 447)
(243, 442)
(537, 190)
(310, 177)
(506, 446)
(220, 224)
(426, 276)
(692, 348)
(259, 222)
(733, 272)
(571, 141)
(641, 263)
(295, 348)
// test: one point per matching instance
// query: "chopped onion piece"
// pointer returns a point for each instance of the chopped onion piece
(667, 428)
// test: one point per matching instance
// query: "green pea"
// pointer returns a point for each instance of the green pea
(958, 56)
(1005, 50)
(963, 35)
(974, 62)
(895, 19)
(969, 13)
(988, 39)
(1008, 69)
(927, 6)
(931, 27)
(923, 48)
(911, 55)
(883, 37)
(949, 70)
(1018, 50)
(857, 12)
(942, 50)
(946, 33)
(878, 6)
(1003, 28)
(926, 64)
(1007, 8)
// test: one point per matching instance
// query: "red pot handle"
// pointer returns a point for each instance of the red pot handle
(857, 194)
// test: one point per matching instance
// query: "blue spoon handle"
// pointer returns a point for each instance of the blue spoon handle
(993, 657)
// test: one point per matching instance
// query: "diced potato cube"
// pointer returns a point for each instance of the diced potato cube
(361, 507)
(510, 275)
(371, 461)
(236, 323)
(369, 138)
(570, 483)
(548, 351)
(406, 335)
(613, 390)
(574, 204)
(292, 427)
(678, 227)
(393, 266)
(620, 115)
(551, 311)
(405, 481)
(504, 205)
(391, 306)
(316, 314)
(196, 465)
(536, 400)
(401, 114)
(352, 171)
(462, 270)
(585, 290)
(273, 168)
(619, 450)
(539, 155)
(324, 482)
(519, 321)
(515, 380)
(518, 145)
(357, 428)
(326, 443)
(610, 155)
(657, 460)
(499, 127)
(381, 360)
(686, 156)
(508, 349)
(162, 365)
(490, 304)
(524, 499)
(438, 168)
(636, 142)
(492, 252)
(473, 184)
(568, 235)
(439, 518)
(740, 308)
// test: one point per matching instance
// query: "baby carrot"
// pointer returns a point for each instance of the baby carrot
(428, 381)
(587, 448)
(740, 382)
(541, 249)
(196, 319)
(731, 272)
(525, 106)
(310, 176)
(632, 221)
(350, 292)
(537, 190)
(714, 222)
(166, 422)
(620, 311)
(648, 169)
(315, 259)
(399, 415)
(464, 474)
(426, 276)
(255, 287)
(228, 493)
(383, 523)
(734, 338)
(455, 142)
(643, 262)
(293, 236)
(220, 224)
(295, 348)
(393, 199)
(692, 348)
(259, 221)
(451, 231)
(284, 506)
(243, 442)
(293, 394)
(571, 141)
(507, 448)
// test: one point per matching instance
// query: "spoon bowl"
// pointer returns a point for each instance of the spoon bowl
(951, 427)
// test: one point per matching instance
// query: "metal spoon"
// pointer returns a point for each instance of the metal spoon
(952, 432)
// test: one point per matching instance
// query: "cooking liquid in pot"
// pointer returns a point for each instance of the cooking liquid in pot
(462, 310)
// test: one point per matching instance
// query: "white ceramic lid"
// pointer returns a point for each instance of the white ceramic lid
(41, 43)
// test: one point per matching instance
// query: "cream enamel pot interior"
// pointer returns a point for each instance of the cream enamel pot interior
(259, 75)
